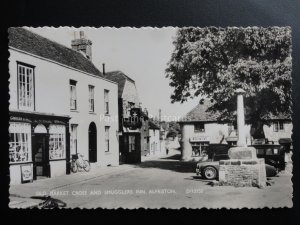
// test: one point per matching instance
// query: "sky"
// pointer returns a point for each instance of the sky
(141, 53)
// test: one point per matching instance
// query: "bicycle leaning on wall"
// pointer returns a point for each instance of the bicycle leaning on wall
(79, 163)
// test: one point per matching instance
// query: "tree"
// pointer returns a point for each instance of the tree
(172, 133)
(213, 62)
(174, 126)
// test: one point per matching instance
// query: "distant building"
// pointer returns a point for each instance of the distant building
(281, 127)
(57, 97)
(155, 140)
(200, 128)
(133, 122)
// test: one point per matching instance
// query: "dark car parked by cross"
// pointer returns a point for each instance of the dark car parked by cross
(273, 155)
(209, 169)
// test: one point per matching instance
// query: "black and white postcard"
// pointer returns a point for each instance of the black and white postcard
(171, 117)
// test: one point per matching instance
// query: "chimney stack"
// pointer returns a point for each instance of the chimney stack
(82, 45)
(103, 68)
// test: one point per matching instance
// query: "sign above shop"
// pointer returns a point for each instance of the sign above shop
(19, 119)
(38, 118)
(199, 139)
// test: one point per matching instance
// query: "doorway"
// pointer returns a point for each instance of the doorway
(40, 156)
(130, 147)
(92, 142)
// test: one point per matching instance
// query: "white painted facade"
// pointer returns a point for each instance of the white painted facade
(52, 96)
(216, 133)
(274, 135)
(155, 146)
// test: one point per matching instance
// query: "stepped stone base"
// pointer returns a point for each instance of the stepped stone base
(242, 153)
(243, 169)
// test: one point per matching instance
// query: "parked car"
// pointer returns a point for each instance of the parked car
(273, 154)
(210, 169)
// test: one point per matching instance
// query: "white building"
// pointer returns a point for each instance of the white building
(199, 128)
(60, 105)
(154, 140)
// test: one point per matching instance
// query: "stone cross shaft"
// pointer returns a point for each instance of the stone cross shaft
(241, 142)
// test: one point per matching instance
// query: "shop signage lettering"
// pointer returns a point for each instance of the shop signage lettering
(199, 138)
(17, 118)
(58, 122)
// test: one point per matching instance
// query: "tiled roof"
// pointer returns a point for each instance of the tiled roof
(120, 78)
(200, 114)
(25, 40)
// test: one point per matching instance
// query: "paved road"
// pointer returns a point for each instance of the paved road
(169, 183)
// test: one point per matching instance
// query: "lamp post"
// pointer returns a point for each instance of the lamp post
(241, 142)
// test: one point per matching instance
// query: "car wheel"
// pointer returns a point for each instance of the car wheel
(209, 173)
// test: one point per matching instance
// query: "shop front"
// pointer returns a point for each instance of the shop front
(199, 144)
(38, 146)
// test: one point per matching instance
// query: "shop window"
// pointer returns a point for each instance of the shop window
(198, 148)
(131, 143)
(25, 87)
(19, 142)
(57, 142)
(73, 95)
(278, 126)
(106, 139)
(91, 98)
(199, 127)
(73, 139)
(106, 102)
